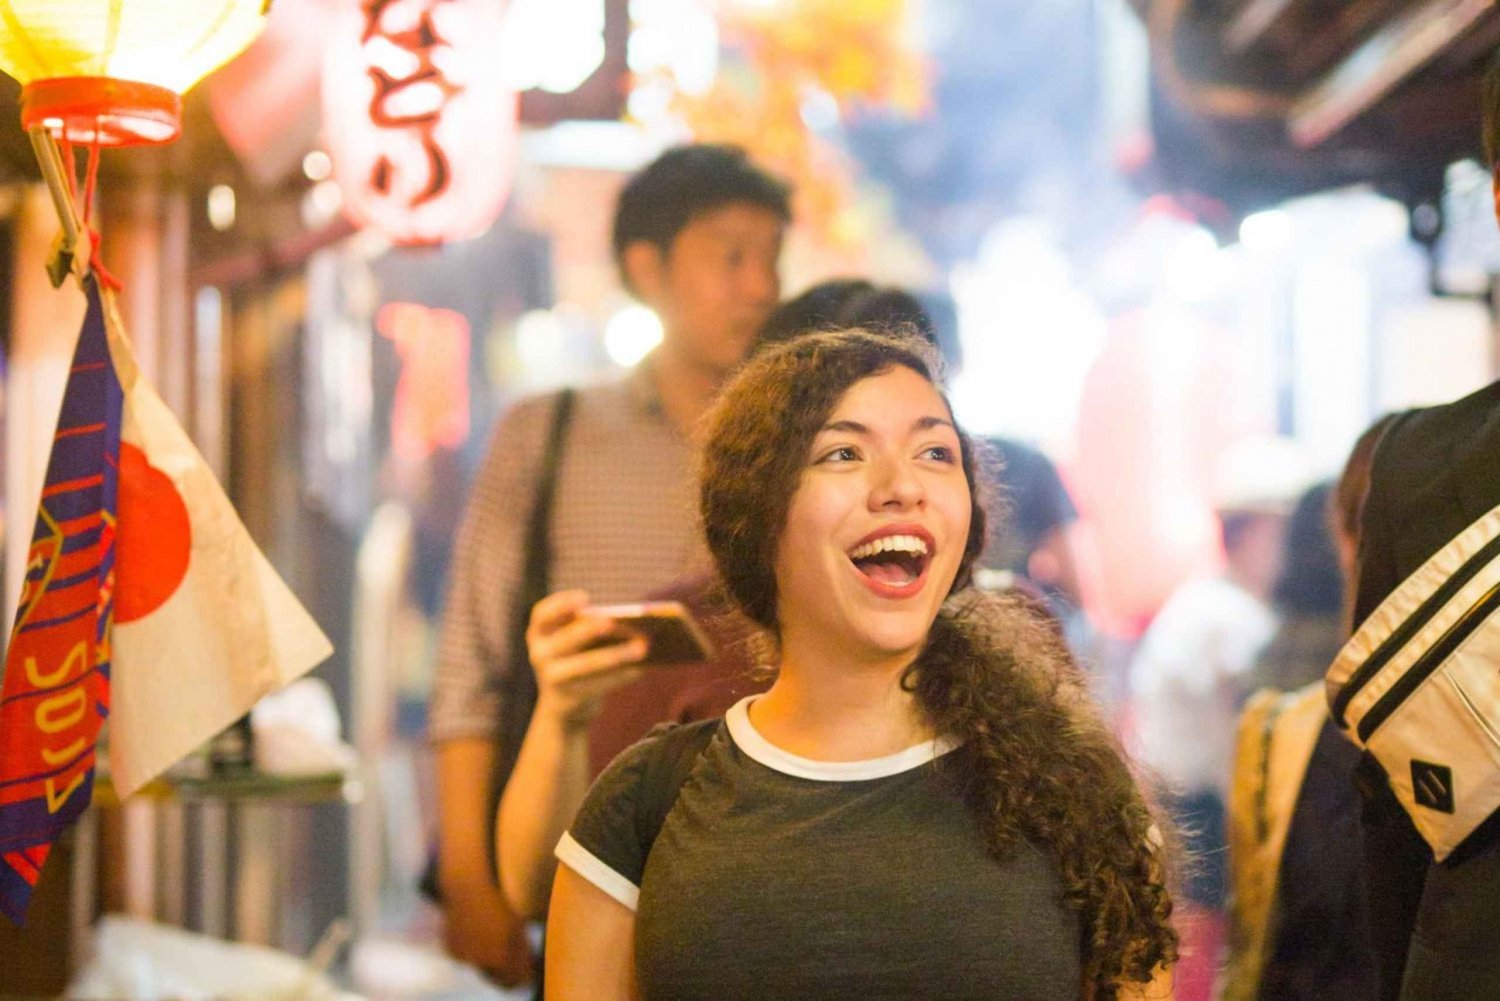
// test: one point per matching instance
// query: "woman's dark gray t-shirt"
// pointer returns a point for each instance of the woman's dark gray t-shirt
(779, 877)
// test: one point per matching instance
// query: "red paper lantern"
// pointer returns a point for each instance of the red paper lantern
(418, 118)
(113, 71)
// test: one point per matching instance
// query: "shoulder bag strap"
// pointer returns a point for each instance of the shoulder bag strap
(518, 683)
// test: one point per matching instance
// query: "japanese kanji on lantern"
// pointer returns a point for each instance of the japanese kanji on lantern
(419, 119)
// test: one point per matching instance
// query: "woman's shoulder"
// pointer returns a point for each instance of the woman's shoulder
(655, 758)
(613, 832)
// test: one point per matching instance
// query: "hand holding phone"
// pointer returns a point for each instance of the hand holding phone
(577, 658)
(672, 634)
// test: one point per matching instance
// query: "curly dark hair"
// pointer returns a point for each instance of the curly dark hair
(1037, 764)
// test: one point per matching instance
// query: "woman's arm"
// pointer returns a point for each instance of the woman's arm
(545, 790)
(590, 943)
(551, 776)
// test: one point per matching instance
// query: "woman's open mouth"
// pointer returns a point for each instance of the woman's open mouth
(893, 565)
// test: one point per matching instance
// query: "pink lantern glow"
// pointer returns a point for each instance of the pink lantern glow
(419, 120)
(432, 396)
(1151, 423)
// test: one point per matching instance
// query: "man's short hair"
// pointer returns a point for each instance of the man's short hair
(685, 182)
(1491, 98)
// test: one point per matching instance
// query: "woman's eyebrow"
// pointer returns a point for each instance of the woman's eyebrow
(855, 427)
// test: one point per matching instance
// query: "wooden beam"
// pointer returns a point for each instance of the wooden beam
(1381, 64)
(286, 254)
(1251, 23)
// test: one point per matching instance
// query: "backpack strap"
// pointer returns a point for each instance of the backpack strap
(678, 749)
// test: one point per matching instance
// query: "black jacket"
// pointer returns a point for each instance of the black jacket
(1436, 472)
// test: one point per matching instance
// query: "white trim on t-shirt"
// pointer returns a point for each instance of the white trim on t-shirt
(592, 868)
(757, 748)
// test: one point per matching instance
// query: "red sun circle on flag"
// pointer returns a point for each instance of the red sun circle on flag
(154, 538)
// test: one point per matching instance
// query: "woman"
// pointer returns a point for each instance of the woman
(922, 805)
(593, 705)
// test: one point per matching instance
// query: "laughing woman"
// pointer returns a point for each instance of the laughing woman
(922, 805)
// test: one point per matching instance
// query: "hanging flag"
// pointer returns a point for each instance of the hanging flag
(145, 601)
(55, 693)
(203, 625)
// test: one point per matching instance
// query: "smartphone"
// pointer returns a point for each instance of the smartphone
(673, 635)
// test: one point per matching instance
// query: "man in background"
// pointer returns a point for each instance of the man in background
(697, 237)
(1436, 472)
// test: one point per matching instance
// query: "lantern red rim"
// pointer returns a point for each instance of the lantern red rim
(111, 112)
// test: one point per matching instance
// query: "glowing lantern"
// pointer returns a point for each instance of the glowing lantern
(114, 71)
(419, 118)
(431, 410)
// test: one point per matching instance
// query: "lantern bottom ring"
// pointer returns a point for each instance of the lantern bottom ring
(103, 110)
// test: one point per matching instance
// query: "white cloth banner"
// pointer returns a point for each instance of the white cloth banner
(203, 625)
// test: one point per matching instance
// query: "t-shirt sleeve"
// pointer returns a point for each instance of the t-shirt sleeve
(603, 844)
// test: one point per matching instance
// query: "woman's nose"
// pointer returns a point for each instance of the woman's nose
(896, 485)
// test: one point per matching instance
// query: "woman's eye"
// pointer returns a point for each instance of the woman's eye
(841, 454)
(940, 453)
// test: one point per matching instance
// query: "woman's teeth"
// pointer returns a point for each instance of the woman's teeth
(888, 544)
(896, 560)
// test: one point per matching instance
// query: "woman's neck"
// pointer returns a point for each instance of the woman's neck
(829, 711)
